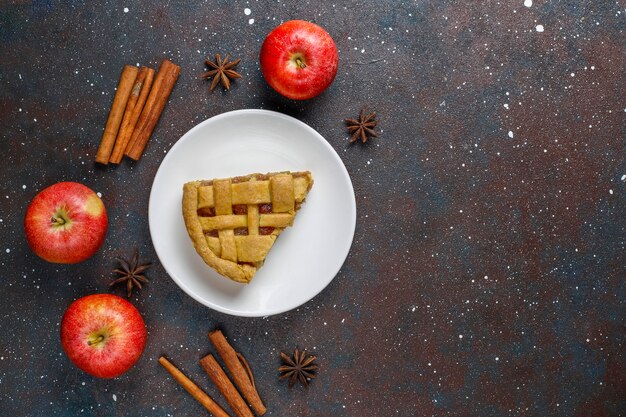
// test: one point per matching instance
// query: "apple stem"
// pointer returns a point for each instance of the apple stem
(300, 63)
(59, 221)
(98, 340)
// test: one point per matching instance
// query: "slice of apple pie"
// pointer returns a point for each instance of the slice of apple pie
(234, 222)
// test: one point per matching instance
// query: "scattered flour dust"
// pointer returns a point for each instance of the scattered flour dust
(539, 28)
(247, 11)
(528, 3)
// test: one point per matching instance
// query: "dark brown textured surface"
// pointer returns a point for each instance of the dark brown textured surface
(486, 276)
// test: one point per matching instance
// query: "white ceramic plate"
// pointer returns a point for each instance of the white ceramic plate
(304, 259)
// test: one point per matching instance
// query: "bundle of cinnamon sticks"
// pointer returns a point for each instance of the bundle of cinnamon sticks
(137, 107)
(240, 372)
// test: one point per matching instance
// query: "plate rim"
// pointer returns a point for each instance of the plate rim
(324, 142)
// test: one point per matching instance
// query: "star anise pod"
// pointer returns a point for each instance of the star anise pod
(131, 272)
(222, 71)
(300, 367)
(363, 127)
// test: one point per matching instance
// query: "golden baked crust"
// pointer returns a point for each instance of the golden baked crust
(234, 222)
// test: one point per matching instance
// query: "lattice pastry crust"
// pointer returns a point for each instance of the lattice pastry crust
(234, 222)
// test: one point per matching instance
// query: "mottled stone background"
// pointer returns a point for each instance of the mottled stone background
(486, 276)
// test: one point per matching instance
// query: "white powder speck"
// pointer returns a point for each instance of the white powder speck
(528, 3)
(251, 21)
(611, 192)
(23, 187)
(247, 11)
(8, 250)
(126, 10)
(511, 134)
(83, 383)
(506, 106)
(99, 194)
(362, 51)
(572, 74)
(623, 179)
(114, 397)
(539, 28)
(460, 336)
(497, 359)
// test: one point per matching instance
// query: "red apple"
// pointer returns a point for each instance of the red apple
(103, 334)
(299, 59)
(66, 223)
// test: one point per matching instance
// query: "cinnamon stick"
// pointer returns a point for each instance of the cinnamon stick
(127, 80)
(163, 85)
(241, 375)
(193, 389)
(228, 390)
(135, 104)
